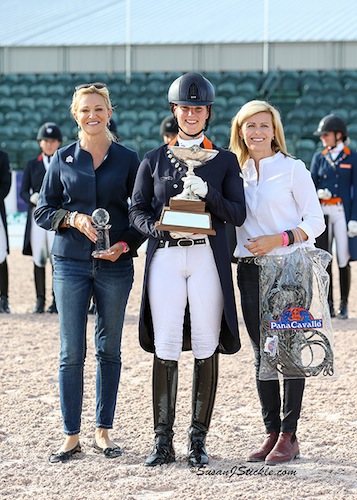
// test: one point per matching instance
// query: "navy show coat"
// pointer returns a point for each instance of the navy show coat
(341, 180)
(32, 179)
(157, 180)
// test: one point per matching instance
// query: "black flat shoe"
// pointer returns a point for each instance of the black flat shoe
(108, 452)
(64, 456)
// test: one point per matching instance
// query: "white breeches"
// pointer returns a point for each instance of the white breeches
(3, 244)
(337, 230)
(41, 243)
(178, 275)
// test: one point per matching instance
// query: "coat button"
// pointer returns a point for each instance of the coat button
(175, 186)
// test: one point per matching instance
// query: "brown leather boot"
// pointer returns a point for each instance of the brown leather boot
(268, 444)
(285, 450)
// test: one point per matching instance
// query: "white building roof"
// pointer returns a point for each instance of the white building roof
(93, 22)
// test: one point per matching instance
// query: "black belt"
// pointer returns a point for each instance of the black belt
(182, 242)
(247, 260)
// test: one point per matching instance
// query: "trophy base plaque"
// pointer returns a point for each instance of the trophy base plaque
(186, 216)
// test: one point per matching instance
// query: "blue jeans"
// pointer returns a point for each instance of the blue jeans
(268, 390)
(74, 282)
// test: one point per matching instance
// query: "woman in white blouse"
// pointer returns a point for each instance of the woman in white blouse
(283, 211)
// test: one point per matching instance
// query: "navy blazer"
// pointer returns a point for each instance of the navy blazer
(5, 185)
(341, 180)
(71, 183)
(32, 179)
(157, 180)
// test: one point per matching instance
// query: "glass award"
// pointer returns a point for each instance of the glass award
(101, 218)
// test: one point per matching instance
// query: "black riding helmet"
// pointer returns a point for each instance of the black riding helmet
(332, 123)
(49, 130)
(192, 89)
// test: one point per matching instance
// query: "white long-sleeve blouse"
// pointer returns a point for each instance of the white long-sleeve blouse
(283, 197)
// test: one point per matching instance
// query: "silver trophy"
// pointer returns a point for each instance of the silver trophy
(186, 212)
(192, 157)
(101, 218)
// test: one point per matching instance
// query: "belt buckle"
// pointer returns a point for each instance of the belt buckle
(246, 260)
(188, 242)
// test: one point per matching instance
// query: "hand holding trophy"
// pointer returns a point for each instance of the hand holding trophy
(186, 211)
(101, 218)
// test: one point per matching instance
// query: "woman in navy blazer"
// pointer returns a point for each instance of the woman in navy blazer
(95, 172)
(188, 299)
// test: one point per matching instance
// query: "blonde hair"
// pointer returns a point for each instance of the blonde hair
(104, 92)
(237, 144)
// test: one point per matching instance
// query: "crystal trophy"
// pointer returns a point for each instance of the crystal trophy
(101, 218)
(186, 211)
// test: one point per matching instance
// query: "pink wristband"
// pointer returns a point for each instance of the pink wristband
(125, 245)
(285, 239)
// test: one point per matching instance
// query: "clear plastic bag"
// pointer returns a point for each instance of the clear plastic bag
(296, 329)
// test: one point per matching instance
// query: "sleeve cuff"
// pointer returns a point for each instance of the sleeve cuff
(57, 219)
(134, 241)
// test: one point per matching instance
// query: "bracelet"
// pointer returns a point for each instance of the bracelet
(285, 239)
(72, 218)
(291, 237)
(125, 245)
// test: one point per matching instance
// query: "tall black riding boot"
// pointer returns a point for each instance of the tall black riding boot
(53, 308)
(345, 283)
(4, 288)
(330, 294)
(164, 387)
(205, 378)
(40, 285)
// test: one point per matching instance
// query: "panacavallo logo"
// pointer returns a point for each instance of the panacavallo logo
(295, 318)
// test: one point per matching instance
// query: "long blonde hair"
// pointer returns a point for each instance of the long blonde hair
(104, 92)
(237, 144)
